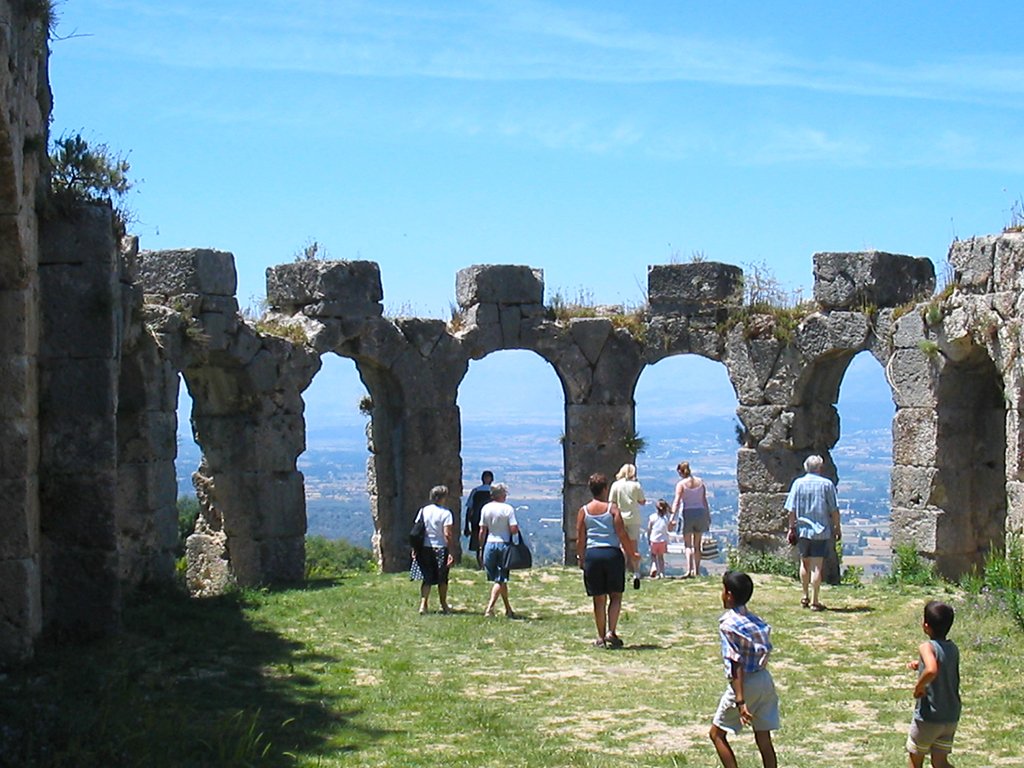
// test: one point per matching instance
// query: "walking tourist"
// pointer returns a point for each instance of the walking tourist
(813, 522)
(602, 545)
(692, 515)
(658, 526)
(750, 698)
(497, 525)
(627, 494)
(431, 563)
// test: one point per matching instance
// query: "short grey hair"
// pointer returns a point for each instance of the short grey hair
(499, 490)
(438, 493)
(814, 463)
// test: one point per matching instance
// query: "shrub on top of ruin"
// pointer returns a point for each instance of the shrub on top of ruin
(293, 332)
(84, 173)
(563, 309)
(456, 317)
(312, 250)
(768, 309)
(1016, 216)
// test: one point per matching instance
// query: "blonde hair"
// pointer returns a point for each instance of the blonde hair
(626, 472)
(683, 468)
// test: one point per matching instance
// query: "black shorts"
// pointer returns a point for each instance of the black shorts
(604, 571)
(812, 547)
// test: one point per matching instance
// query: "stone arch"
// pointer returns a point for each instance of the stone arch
(970, 484)
(702, 463)
(486, 393)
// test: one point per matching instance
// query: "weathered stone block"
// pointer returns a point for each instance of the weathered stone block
(913, 376)
(18, 376)
(594, 440)
(326, 288)
(271, 561)
(917, 488)
(15, 251)
(76, 511)
(82, 235)
(21, 609)
(259, 505)
(693, 289)
(188, 271)
(19, 448)
(852, 280)
(762, 515)
(79, 307)
(1009, 262)
(19, 518)
(827, 333)
(914, 436)
(590, 335)
(973, 263)
(909, 329)
(147, 436)
(510, 321)
(766, 471)
(499, 284)
(19, 322)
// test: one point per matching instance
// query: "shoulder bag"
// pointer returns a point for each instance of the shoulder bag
(518, 556)
(418, 532)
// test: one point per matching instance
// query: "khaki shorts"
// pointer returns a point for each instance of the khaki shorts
(926, 738)
(762, 701)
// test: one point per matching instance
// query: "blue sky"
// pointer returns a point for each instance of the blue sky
(590, 139)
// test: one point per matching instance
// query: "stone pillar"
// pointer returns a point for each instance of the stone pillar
(147, 426)
(23, 138)
(594, 442)
(80, 298)
(247, 418)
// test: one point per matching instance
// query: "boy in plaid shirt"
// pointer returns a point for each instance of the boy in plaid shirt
(750, 698)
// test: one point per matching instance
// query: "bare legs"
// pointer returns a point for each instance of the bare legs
(442, 593)
(691, 545)
(500, 589)
(606, 614)
(763, 739)
(939, 760)
(810, 578)
(657, 564)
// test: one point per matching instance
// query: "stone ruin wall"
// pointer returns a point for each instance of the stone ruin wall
(132, 322)
(96, 336)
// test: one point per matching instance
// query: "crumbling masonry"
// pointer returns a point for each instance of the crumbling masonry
(96, 335)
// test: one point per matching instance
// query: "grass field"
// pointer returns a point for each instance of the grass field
(346, 673)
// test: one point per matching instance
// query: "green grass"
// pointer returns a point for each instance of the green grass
(345, 673)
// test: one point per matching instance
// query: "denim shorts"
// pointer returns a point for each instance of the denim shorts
(494, 561)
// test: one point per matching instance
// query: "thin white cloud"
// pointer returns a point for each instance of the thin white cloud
(524, 41)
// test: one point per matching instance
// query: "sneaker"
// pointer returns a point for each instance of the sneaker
(636, 582)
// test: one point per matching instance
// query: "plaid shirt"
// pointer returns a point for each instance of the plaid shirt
(745, 640)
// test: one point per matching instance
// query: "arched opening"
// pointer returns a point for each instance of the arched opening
(970, 487)
(863, 461)
(337, 409)
(686, 411)
(512, 410)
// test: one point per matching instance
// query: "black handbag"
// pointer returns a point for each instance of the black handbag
(418, 532)
(518, 555)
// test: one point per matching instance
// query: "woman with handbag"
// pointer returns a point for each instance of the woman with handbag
(432, 561)
(602, 545)
(497, 526)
